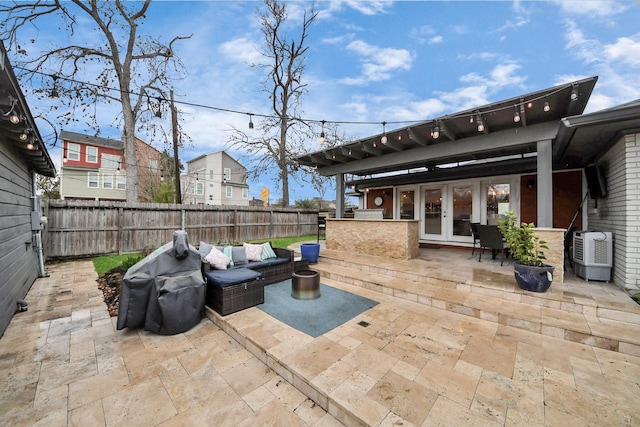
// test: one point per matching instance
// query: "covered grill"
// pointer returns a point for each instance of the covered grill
(165, 292)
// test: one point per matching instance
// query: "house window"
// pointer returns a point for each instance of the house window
(73, 151)
(110, 161)
(245, 193)
(227, 174)
(107, 181)
(93, 180)
(229, 191)
(199, 188)
(190, 188)
(497, 202)
(92, 154)
(121, 182)
(153, 165)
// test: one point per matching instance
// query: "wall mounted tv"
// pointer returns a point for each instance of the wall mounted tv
(596, 182)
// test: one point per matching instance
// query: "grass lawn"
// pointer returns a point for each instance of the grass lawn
(105, 263)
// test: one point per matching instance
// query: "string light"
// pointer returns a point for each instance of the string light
(384, 133)
(384, 139)
(322, 133)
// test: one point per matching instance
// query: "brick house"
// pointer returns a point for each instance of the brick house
(95, 168)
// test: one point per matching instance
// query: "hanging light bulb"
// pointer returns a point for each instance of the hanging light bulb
(574, 93)
(546, 107)
(30, 145)
(530, 104)
(24, 135)
(250, 122)
(384, 133)
(471, 119)
(54, 91)
(435, 132)
(480, 124)
(322, 133)
(516, 115)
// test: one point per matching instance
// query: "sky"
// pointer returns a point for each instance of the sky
(385, 61)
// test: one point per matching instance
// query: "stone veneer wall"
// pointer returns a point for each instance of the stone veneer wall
(619, 212)
(397, 239)
(555, 254)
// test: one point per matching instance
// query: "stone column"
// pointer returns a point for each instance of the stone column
(545, 184)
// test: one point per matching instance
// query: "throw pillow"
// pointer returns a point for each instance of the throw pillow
(217, 259)
(254, 252)
(239, 255)
(267, 251)
(227, 251)
(204, 249)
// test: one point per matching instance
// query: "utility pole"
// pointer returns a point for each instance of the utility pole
(174, 128)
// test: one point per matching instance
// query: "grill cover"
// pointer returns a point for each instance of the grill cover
(165, 292)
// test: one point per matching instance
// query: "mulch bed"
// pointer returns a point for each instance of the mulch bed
(110, 284)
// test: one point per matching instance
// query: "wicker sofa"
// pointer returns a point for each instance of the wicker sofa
(242, 285)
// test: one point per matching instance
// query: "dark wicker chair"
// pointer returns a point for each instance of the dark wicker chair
(491, 238)
(476, 235)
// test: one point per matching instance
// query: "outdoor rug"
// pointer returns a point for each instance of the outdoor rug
(317, 316)
(486, 258)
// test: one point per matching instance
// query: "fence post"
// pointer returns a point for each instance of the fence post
(120, 230)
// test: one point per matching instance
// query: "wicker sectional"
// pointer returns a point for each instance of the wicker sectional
(242, 286)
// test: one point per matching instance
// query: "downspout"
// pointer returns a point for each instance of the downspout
(36, 227)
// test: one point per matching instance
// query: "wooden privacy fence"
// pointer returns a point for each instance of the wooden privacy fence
(86, 228)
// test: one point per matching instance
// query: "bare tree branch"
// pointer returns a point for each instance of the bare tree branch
(125, 60)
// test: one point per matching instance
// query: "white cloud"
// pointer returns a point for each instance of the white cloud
(617, 63)
(242, 50)
(436, 40)
(593, 8)
(625, 50)
(378, 63)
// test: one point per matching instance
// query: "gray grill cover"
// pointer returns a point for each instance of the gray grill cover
(165, 292)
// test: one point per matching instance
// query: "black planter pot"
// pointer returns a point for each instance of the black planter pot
(533, 279)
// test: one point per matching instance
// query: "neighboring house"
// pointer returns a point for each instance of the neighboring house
(95, 168)
(21, 158)
(528, 153)
(215, 179)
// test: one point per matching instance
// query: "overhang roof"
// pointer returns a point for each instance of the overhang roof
(583, 139)
(12, 100)
(459, 140)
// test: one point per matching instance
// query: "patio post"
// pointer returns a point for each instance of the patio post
(545, 182)
(340, 195)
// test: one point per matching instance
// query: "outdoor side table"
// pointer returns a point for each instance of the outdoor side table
(305, 284)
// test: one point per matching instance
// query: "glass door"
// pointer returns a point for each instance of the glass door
(433, 214)
(462, 210)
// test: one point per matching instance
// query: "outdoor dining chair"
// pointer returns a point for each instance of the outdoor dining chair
(491, 238)
(476, 235)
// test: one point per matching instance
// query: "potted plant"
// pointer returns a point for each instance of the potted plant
(527, 251)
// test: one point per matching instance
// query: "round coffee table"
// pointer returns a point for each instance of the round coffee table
(305, 284)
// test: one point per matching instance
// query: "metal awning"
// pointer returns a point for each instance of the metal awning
(509, 128)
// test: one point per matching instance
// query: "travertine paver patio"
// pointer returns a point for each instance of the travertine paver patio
(436, 352)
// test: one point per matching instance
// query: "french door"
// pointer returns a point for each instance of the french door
(447, 211)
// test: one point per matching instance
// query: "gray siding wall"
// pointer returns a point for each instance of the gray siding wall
(18, 262)
(620, 211)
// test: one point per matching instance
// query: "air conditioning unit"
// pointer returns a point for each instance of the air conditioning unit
(593, 254)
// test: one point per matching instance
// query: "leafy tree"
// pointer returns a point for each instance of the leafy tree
(306, 204)
(50, 187)
(140, 67)
(282, 135)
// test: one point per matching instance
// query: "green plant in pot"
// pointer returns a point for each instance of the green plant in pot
(527, 250)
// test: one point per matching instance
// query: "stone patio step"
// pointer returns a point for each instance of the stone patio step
(561, 319)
